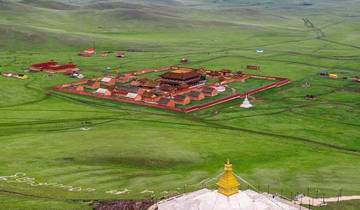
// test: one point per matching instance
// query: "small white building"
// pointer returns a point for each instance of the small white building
(246, 103)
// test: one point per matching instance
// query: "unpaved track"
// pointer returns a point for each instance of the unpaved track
(320, 201)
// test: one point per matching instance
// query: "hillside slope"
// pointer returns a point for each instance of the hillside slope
(286, 144)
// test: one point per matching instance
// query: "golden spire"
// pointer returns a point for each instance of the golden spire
(228, 184)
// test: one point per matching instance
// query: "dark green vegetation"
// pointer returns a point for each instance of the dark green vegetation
(286, 142)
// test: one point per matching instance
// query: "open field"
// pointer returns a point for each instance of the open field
(286, 143)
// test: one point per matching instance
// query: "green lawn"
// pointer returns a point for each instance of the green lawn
(250, 84)
(285, 143)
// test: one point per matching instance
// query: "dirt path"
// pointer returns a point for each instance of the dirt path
(322, 201)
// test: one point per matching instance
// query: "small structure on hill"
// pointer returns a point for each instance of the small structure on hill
(184, 61)
(105, 54)
(77, 75)
(7, 74)
(356, 79)
(227, 197)
(260, 50)
(120, 54)
(307, 3)
(88, 52)
(21, 76)
(324, 73)
(310, 97)
(246, 103)
(306, 84)
(14, 75)
(253, 67)
(333, 76)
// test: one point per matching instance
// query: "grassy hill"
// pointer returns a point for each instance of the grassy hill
(286, 143)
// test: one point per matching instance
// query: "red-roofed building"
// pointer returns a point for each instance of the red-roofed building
(150, 97)
(54, 67)
(123, 78)
(166, 102)
(209, 91)
(130, 89)
(120, 54)
(241, 77)
(92, 84)
(79, 88)
(182, 99)
(41, 66)
(196, 95)
(253, 67)
(119, 92)
(108, 81)
(103, 91)
(181, 76)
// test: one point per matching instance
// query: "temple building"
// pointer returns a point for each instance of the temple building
(227, 197)
(181, 76)
(54, 67)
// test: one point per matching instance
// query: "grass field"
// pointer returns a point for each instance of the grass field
(286, 143)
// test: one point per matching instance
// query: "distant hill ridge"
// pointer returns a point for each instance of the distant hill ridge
(57, 5)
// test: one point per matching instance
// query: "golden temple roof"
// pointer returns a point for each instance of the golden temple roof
(228, 184)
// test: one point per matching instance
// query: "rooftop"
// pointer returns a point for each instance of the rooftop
(129, 89)
(181, 74)
(194, 93)
(164, 101)
(180, 97)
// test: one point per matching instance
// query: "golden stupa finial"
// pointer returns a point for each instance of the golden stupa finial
(228, 184)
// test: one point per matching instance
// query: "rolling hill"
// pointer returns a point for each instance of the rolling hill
(286, 144)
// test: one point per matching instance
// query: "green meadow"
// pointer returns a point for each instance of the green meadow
(77, 150)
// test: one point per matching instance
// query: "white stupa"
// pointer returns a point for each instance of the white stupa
(227, 197)
(246, 103)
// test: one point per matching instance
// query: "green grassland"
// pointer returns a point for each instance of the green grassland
(285, 142)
